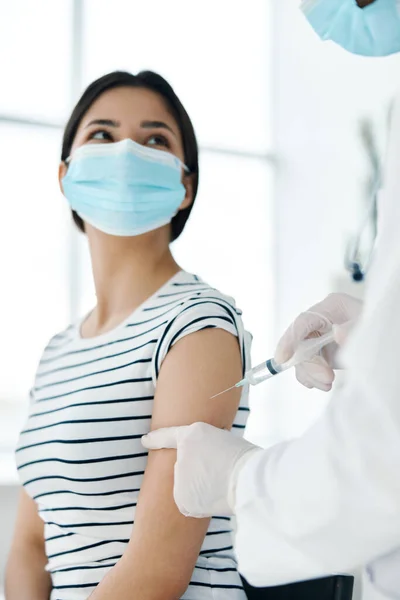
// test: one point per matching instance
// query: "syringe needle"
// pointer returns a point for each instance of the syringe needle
(237, 385)
(224, 392)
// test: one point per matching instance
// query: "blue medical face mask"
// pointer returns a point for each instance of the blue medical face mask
(124, 189)
(370, 31)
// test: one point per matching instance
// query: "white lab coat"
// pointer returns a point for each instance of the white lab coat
(330, 500)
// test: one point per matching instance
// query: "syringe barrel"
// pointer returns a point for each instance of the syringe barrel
(262, 372)
(305, 351)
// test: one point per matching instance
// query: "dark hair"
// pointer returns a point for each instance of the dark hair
(156, 83)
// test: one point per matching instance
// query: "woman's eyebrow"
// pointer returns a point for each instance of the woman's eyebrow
(156, 125)
(107, 122)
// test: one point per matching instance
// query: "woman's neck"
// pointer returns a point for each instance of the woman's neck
(126, 272)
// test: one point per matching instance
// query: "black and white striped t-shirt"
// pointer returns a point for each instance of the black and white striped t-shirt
(80, 455)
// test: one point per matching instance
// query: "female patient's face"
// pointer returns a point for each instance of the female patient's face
(132, 113)
(135, 113)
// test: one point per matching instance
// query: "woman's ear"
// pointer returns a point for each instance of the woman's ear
(62, 171)
(188, 200)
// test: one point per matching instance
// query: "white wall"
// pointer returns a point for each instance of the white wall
(320, 93)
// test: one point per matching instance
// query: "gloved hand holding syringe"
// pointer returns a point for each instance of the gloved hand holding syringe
(305, 351)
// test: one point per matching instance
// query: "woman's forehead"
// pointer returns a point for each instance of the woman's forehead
(129, 104)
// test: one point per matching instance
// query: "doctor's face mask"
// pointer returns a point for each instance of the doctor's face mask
(373, 30)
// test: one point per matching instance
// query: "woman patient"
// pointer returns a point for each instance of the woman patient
(96, 515)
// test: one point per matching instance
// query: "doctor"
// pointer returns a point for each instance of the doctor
(330, 500)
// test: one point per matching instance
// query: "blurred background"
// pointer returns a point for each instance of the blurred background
(285, 175)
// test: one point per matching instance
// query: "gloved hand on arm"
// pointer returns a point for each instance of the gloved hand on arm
(209, 459)
(208, 462)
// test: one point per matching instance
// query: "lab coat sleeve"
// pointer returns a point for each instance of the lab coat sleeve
(330, 501)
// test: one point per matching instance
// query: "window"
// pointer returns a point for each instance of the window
(34, 248)
(33, 235)
(217, 57)
(35, 65)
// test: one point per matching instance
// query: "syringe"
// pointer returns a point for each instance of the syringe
(306, 350)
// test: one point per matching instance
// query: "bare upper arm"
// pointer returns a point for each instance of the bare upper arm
(197, 367)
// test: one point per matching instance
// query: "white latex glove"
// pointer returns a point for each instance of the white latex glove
(208, 462)
(337, 311)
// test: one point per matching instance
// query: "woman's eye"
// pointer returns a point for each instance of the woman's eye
(101, 136)
(158, 140)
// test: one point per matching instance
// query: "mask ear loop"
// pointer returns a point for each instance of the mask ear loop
(186, 172)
